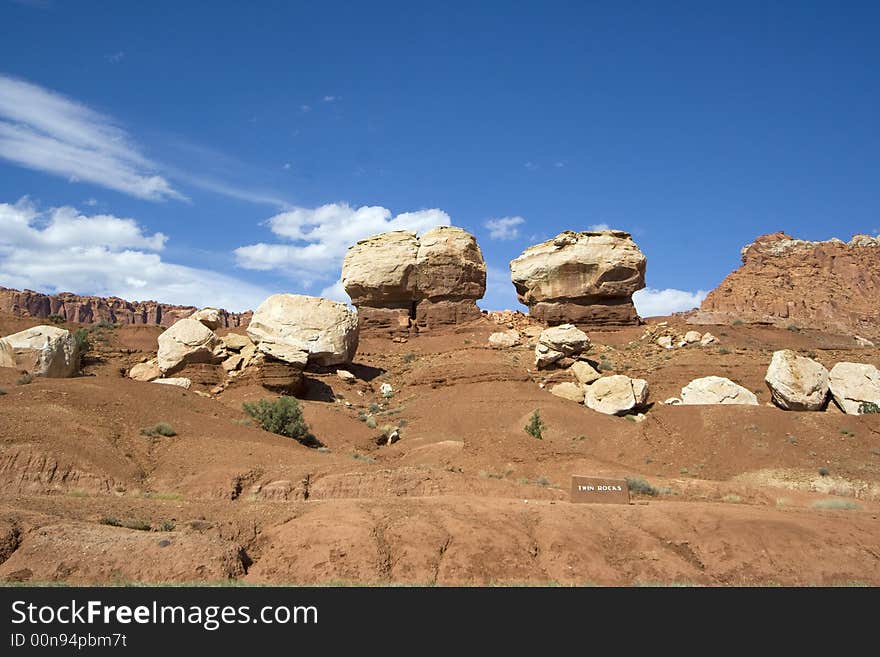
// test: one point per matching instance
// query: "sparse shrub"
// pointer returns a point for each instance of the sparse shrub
(866, 408)
(81, 337)
(535, 427)
(159, 429)
(836, 504)
(2, 392)
(374, 408)
(823, 472)
(640, 486)
(542, 481)
(371, 422)
(793, 328)
(282, 416)
(409, 358)
(363, 457)
(104, 324)
(723, 351)
(55, 318)
(731, 499)
(24, 379)
(167, 526)
(737, 322)
(245, 422)
(110, 520)
(139, 525)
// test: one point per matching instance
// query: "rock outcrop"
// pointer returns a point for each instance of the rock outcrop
(397, 280)
(854, 385)
(830, 285)
(89, 309)
(186, 342)
(47, 351)
(557, 342)
(298, 329)
(716, 390)
(7, 354)
(616, 395)
(797, 383)
(582, 278)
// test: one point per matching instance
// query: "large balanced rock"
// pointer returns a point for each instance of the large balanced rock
(617, 394)
(797, 383)
(854, 385)
(830, 285)
(44, 351)
(557, 342)
(188, 341)
(397, 279)
(297, 329)
(210, 317)
(586, 277)
(716, 390)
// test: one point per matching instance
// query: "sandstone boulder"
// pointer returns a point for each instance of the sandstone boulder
(7, 354)
(693, 336)
(616, 395)
(504, 339)
(707, 339)
(179, 381)
(346, 376)
(797, 383)
(569, 390)
(188, 341)
(235, 342)
(586, 277)
(210, 317)
(853, 384)
(584, 372)
(716, 390)
(145, 371)
(45, 351)
(665, 341)
(397, 279)
(282, 377)
(295, 328)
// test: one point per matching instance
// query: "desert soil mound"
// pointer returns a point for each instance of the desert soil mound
(728, 494)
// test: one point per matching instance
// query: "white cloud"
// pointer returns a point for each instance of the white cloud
(321, 236)
(597, 227)
(116, 57)
(504, 228)
(650, 302)
(500, 293)
(330, 99)
(285, 166)
(42, 130)
(63, 250)
(305, 108)
(336, 292)
(559, 165)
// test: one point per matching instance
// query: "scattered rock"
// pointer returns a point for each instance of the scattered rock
(235, 342)
(863, 342)
(386, 390)
(558, 341)
(278, 376)
(346, 376)
(504, 339)
(296, 329)
(584, 372)
(568, 390)
(707, 339)
(7, 354)
(616, 394)
(665, 341)
(210, 317)
(188, 341)
(672, 401)
(145, 371)
(180, 382)
(233, 363)
(44, 351)
(716, 390)
(797, 383)
(692, 336)
(586, 277)
(853, 384)
(545, 356)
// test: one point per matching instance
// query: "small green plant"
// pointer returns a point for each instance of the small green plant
(836, 504)
(363, 457)
(104, 324)
(371, 422)
(737, 322)
(81, 337)
(409, 357)
(732, 499)
(823, 472)
(535, 427)
(167, 526)
(159, 429)
(640, 486)
(723, 351)
(55, 318)
(847, 432)
(542, 481)
(282, 416)
(24, 379)
(793, 328)
(110, 520)
(374, 408)
(866, 408)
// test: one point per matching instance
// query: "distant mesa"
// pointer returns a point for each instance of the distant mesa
(829, 285)
(581, 278)
(90, 309)
(399, 281)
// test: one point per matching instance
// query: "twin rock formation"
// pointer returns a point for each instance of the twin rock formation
(398, 280)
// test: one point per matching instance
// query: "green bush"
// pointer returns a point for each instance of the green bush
(81, 337)
(24, 379)
(55, 318)
(409, 358)
(866, 408)
(159, 429)
(282, 416)
(535, 427)
(640, 486)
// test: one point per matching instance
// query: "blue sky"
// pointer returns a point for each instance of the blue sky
(216, 155)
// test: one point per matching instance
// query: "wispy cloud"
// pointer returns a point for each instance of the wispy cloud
(531, 166)
(64, 250)
(45, 131)
(305, 108)
(316, 239)
(598, 227)
(330, 99)
(504, 228)
(651, 302)
(116, 57)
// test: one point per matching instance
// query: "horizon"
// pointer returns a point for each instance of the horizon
(244, 156)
